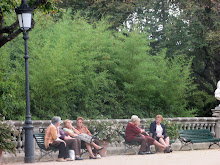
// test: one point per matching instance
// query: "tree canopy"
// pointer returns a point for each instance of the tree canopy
(90, 71)
(9, 28)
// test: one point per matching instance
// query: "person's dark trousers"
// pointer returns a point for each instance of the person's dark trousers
(95, 150)
(142, 141)
(148, 149)
(74, 144)
(63, 150)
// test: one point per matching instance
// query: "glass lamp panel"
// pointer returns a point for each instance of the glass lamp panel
(25, 20)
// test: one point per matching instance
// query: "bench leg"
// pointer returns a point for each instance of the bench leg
(130, 147)
(83, 152)
(125, 148)
(186, 144)
(45, 153)
(217, 143)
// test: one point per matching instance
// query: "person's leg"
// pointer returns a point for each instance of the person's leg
(95, 146)
(78, 147)
(159, 145)
(89, 148)
(167, 141)
(73, 144)
(161, 140)
(63, 150)
(150, 141)
(143, 142)
(95, 151)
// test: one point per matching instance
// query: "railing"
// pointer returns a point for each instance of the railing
(187, 123)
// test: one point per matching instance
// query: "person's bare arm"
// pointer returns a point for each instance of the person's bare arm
(76, 131)
(71, 134)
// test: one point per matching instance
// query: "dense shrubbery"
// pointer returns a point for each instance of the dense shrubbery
(81, 69)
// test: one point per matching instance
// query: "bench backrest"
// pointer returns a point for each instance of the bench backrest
(196, 134)
(39, 137)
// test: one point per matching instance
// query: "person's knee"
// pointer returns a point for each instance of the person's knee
(144, 139)
(62, 144)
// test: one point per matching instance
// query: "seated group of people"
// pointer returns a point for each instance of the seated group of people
(71, 138)
(135, 134)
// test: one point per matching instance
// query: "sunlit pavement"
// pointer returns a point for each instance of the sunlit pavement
(196, 157)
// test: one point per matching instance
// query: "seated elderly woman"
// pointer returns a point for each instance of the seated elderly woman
(72, 143)
(83, 129)
(134, 134)
(159, 132)
(73, 132)
(52, 139)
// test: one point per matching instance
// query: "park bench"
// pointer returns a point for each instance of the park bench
(39, 137)
(130, 145)
(188, 137)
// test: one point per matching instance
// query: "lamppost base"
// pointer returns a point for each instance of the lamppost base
(29, 159)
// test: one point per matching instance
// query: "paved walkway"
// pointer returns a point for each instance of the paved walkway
(196, 157)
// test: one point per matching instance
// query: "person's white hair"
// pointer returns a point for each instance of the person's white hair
(56, 119)
(135, 118)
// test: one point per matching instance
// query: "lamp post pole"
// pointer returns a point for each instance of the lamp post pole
(29, 143)
(24, 13)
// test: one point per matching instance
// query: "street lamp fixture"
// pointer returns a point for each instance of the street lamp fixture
(24, 13)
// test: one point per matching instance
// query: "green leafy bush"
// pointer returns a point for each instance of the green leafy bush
(106, 130)
(172, 129)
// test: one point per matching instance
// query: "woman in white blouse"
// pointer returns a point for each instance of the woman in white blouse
(159, 131)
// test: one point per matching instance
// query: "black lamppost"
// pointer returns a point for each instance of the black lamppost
(24, 13)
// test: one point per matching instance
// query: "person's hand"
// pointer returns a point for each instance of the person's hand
(142, 130)
(74, 135)
(63, 142)
(142, 135)
(162, 136)
(68, 137)
(147, 134)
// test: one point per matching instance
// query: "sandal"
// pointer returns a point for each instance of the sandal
(167, 150)
(100, 149)
(171, 150)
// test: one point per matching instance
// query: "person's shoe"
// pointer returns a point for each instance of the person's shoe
(68, 159)
(149, 152)
(141, 153)
(171, 150)
(100, 149)
(78, 158)
(61, 160)
(92, 157)
(167, 150)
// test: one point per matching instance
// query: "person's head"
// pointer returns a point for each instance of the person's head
(135, 120)
(159, 119)
(79, 121)
(67, 123)
(56, 121)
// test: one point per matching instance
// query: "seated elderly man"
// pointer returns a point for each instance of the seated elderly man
(83, 129)
(134, 134)
(52, 139)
